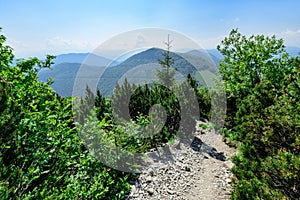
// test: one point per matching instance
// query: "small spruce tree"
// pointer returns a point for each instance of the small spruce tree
(166, 74)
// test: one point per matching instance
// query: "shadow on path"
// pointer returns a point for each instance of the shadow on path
(199, 146)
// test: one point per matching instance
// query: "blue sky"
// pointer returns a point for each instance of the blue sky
(36, 28)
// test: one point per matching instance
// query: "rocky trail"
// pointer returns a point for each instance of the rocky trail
(200, 171)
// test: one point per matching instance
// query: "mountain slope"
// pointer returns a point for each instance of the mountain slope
(140, 67)
(212, 55)
(293, 51)
(64, 76)
(184, 63)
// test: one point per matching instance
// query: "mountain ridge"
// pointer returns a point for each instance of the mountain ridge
(66, 66)
(86, 58)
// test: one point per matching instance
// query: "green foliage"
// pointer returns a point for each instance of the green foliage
(204, 101)
(103, 106)
(247, 62)
(139, 100)
(41, 153)
(263, 86)
(203, 126)
(203, 97)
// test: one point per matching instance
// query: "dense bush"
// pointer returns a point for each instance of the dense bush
(41, 154)
(132, 102)
(140, 102)
(263, 86)
(203, 97)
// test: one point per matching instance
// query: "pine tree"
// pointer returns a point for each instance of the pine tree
(166, 74)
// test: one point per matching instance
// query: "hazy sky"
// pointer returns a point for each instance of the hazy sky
(36, 28)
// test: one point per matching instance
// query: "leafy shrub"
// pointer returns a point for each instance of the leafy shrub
(41, 153)
(263, 86)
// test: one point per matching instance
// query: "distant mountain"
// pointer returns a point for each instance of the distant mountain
(93, 59)
(293, 51)
(148, 61)
(216, 56)
(211, 54)
(64, 75)
(139, 68)
(65, 69)
(216, 53)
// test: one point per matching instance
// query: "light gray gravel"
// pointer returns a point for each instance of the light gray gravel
(199, 171)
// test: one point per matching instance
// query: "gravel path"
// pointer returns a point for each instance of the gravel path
(201, 171)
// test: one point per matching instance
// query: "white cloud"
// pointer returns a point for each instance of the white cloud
(54, 46)
(61, 44)
(20, 48)
(16, 43)
(237, 19)
(58, 42)
(230, 21)
(211, 43)
(291, 37)
(291, 32)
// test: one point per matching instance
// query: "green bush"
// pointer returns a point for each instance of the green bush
(41, 153)
(263, 85)
(140, 101)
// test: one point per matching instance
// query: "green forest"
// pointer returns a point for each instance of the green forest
(43, 156)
